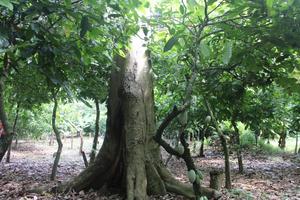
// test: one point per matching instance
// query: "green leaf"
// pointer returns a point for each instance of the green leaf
(145, 30)
(227, 52)
(287, 82)
(84, 26)
(211, 2)
(204, 50)
(181, 9)
(269, 4)
(192, 3)
(68, 3)
(7, 4)
(171, 42)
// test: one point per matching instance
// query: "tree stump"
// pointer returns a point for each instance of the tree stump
(216, 177)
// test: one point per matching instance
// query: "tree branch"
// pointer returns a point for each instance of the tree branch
(211, 33)
(227, 20)
(205, 11)
(168, 119)
(167, 147)
(216, 7)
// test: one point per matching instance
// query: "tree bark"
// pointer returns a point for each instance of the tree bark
(95, 142)
(58, 138)
(81, 152)
(224, 146)
(201, 137)
(216, 177)
(238, 146)
(80, 142)
(282, 140)
(14, 132)
(16, 143)
(129, 159)
(6, 138)
(296, 146)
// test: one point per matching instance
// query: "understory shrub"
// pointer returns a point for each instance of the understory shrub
(247, 140)
(268, 148)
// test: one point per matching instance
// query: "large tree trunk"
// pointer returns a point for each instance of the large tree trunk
(129, 159)
(95, 142)
(6, 136)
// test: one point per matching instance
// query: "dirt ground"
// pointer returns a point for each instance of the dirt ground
(266, 177)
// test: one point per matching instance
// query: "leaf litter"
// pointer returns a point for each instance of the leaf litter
(265, 177)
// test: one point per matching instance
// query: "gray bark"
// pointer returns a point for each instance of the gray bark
(129, 159)
(58, 138)
(224, 146)
(5, 139)
(296, 146)
(95, 142)
(14, 132)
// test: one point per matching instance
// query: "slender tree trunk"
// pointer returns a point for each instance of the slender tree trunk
(201, 153)
(282, 140)
(202, 134)
(256, 134)
(72, 138)
(16, 142)
(190, 163)
(227, 163)
(81, 152)
(129, 159)
(224, 146)
(8, 153)
(296, 146)
(95, 142)
(238, 146)
(81, 142)
(14, 132)
(58, 138)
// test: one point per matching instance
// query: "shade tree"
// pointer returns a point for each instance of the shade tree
(200, 46)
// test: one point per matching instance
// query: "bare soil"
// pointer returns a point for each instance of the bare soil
(265, 177)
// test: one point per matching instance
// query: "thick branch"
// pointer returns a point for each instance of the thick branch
(167, 147)
(168, 119)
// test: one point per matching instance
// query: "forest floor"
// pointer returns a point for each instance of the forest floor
(266, 177)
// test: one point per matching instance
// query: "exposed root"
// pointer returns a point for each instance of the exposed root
(155, 185)
(175, 186)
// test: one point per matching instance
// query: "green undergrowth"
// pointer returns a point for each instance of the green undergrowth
(248, 143)
(238, 193)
